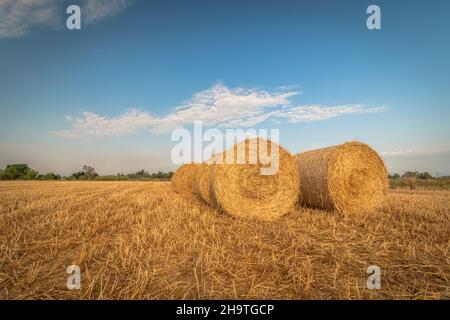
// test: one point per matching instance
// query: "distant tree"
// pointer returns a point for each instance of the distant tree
(48, 176)
(139, 175)
(410, 174)
(162, 175)
(142, 173)
(122, 177)
(18, 171)
(410, 178)
(157, 175)
(395, 176)
(89, 172)
(424, 175)
(5, 176)
(31, 174)
(77, 175)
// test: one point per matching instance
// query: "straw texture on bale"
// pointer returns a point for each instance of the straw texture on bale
(350, 177)
(204, 179)
(183, 180)
(241, 190)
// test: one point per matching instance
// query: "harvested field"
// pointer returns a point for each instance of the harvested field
(141, 240)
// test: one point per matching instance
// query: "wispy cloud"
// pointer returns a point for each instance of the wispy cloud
(224, 107)
(415, 152)
(97, 10)
(94, 125)
(218, 106)
(18, 17)
(318, 113)
(401, 152)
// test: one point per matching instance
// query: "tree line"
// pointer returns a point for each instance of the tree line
(23, 172)
(415, 179)
(411, 175)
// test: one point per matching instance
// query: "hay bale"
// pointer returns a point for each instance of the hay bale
(204, 179)
(240, 189)
(350, 177)
(183, 180)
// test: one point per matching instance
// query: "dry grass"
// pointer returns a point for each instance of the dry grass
(141, 240)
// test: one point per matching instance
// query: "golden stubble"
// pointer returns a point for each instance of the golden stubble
(141, 240)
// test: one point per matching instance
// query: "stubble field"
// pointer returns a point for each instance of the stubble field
(140, 240)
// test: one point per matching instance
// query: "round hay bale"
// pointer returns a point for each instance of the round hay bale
(240, 189)
(350, 177)
(203, 185)
(183, 180)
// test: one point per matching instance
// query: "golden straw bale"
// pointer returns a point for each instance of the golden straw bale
(203, 185)
(183, 180)
(350, 177)
(241, 189)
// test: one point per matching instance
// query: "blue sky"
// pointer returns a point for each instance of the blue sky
(138, 69)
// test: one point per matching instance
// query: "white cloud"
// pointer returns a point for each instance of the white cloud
(18, 17)
(94, 125)
(415, 152)
(218, 106)
(224, 107)
(97, 10)
(401, 152)
(318, 113)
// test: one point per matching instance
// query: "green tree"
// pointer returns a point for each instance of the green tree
(49, 176)
(122, 177)
(142, 173)
(410, 178)
(18, 171)
(77, 175)
(89, 172)
(162, 175)
(410, 174)
(424, 175)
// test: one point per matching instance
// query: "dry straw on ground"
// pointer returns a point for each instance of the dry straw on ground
(241, 189)
(140, 240)
(350, 177)
(183, 180)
